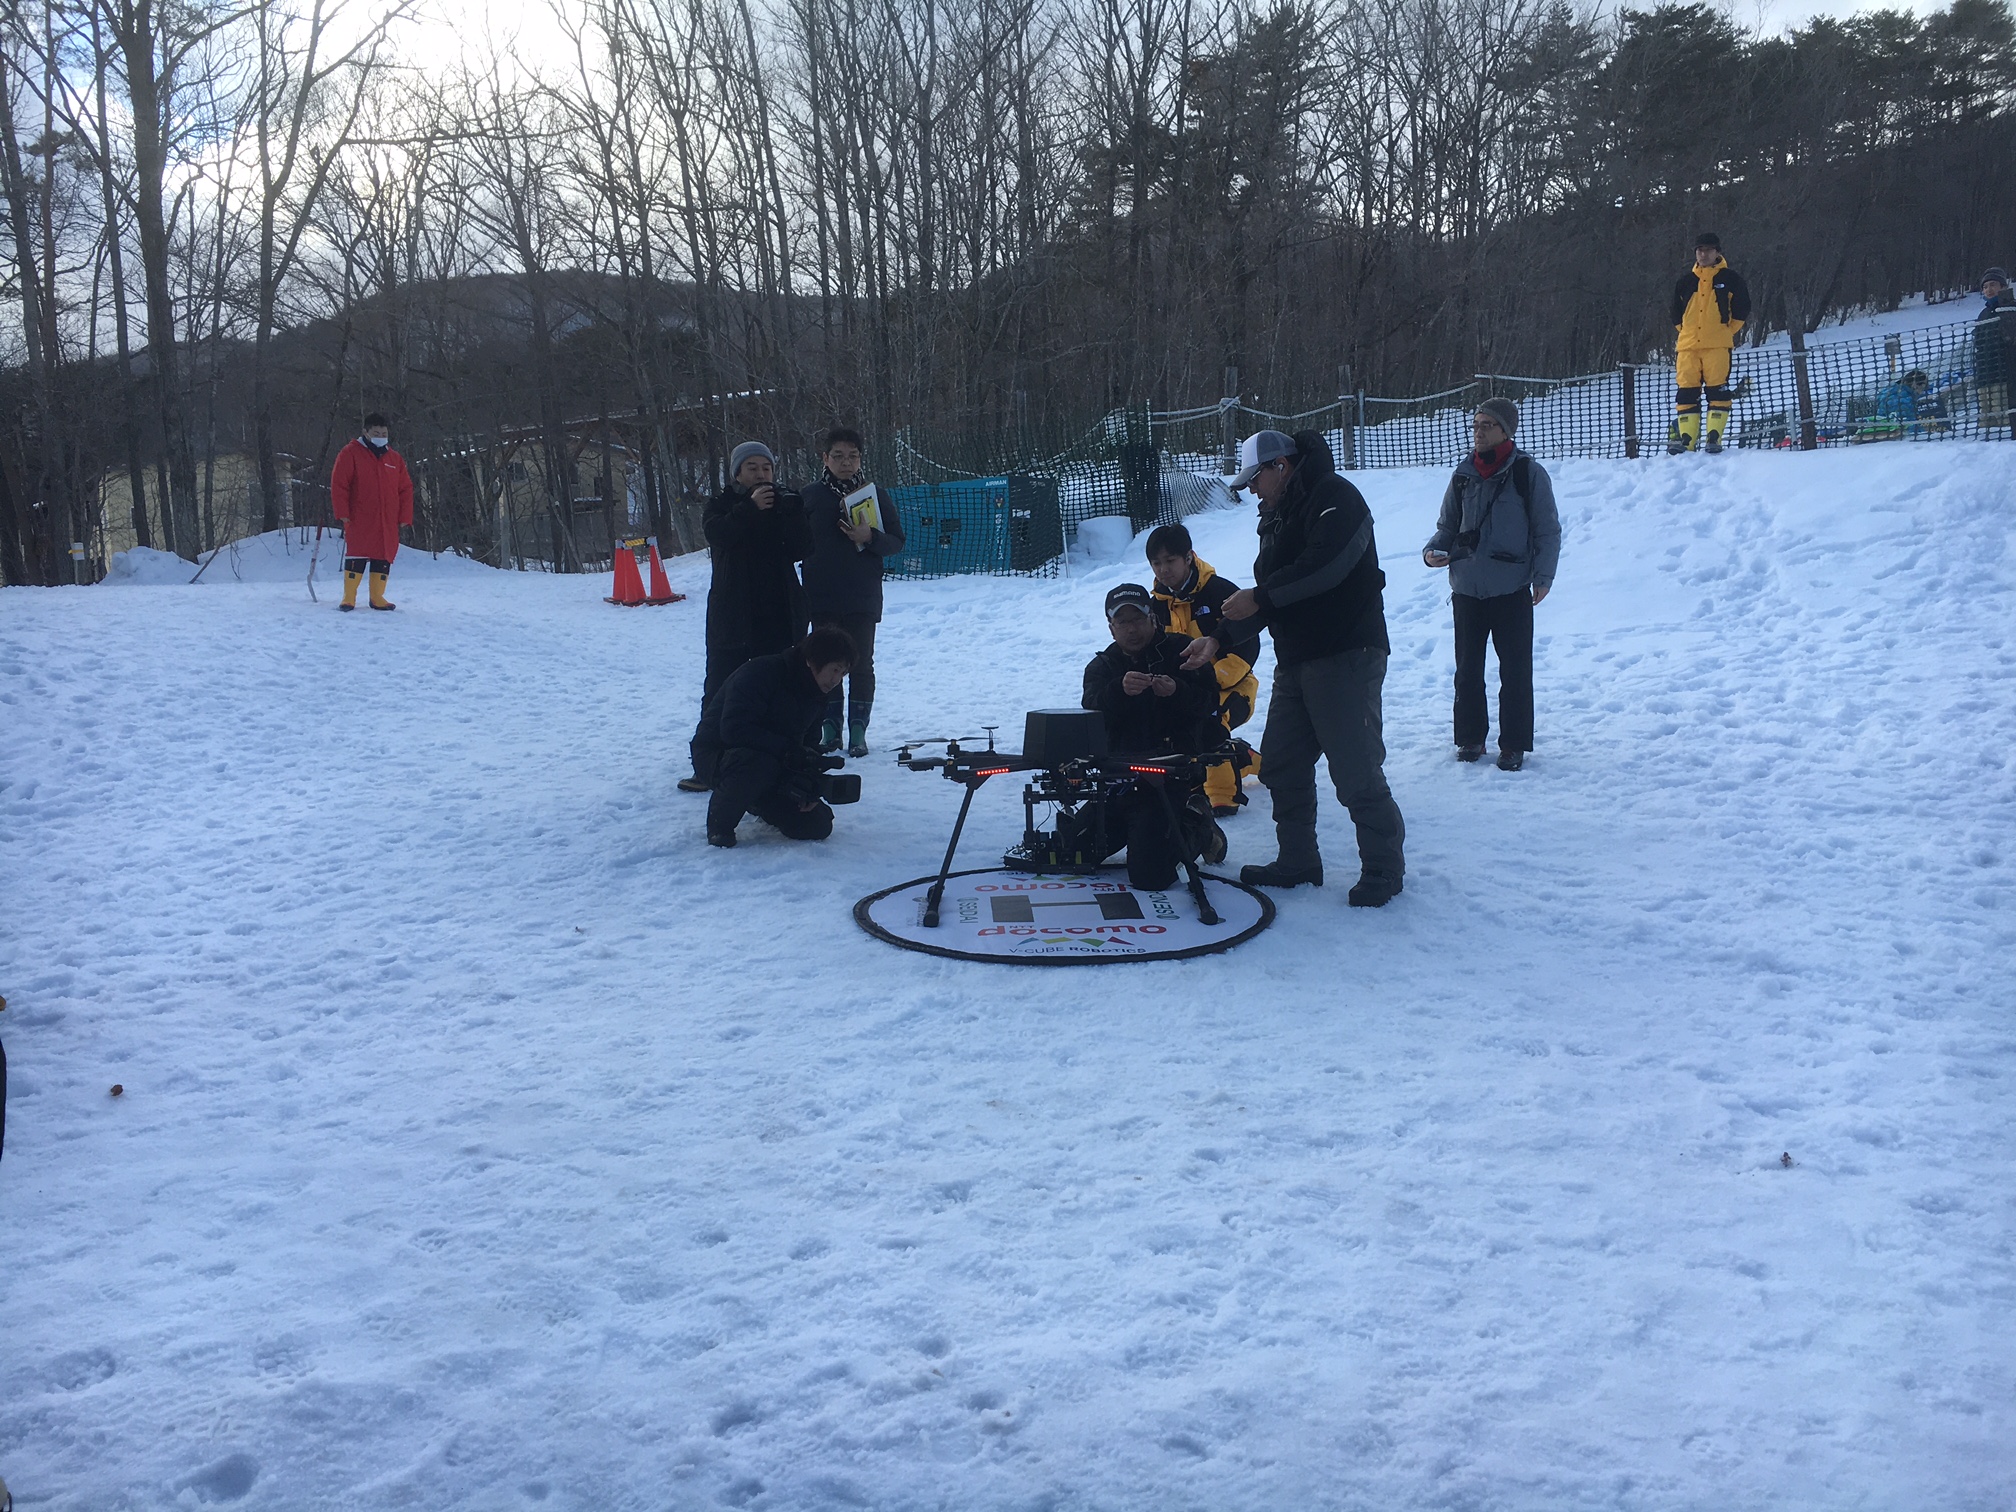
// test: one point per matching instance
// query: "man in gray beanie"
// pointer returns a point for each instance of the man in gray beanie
(757, 535)
(1995, 350)
(1500, 537)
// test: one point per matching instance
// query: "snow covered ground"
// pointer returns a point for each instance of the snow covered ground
(490, 1142)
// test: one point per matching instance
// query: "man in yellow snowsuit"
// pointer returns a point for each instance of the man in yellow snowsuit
(1710, 304)
(1189, 596)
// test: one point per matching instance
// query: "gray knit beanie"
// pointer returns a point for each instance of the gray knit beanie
(1504, 411)
(744, 452)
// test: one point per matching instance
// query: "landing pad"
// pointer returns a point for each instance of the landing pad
(1063, 920)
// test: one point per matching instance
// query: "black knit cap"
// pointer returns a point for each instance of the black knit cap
(1708, 239)
(1999, 275)
(374, 418)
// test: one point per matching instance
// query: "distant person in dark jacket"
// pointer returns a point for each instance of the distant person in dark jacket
(1319, 592)
(843, 578)
(1499, 535)
(755, 605)
(1994, 350)
(1152, 705)
(757, 724)
(1710, 304)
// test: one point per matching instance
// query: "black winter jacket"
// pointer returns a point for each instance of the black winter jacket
(840, 577)
(756, 601)
(1317, 577)
(1141, 724)
(1732, 295)
(766, 705)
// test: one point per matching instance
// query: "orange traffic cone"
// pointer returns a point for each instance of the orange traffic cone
(629, 587)
(661, 587)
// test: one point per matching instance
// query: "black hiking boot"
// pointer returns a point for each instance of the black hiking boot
(695, 785)
(1374, 892)
(723, 838)
(1278, 874)
(1511, 761)
(1469, 753)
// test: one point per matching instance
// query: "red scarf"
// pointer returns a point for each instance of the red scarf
(1488, 462)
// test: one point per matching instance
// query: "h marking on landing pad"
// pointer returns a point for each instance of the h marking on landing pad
(1020, 908)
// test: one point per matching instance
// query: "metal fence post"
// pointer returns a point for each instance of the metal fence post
(1348, 431)
(1627, 375)
(1809, 433)
(1230, 405)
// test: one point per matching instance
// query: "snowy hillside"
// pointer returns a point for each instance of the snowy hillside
(490, 1142)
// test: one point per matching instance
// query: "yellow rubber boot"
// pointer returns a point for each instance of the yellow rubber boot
(1689, 426)
(378, 599)
(1224, 782)
(351, 582)
(1221, 786)
(1718, 421)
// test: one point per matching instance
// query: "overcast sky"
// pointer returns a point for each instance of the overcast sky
(471, 25)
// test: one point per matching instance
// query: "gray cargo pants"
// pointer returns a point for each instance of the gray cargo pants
(1329, 707)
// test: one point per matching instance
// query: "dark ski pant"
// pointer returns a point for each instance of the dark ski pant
(859, 697)
(1329, 707)
(1507, 622)
(755, 782)
(1137, 820)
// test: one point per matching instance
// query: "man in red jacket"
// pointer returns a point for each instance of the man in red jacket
(372, 495)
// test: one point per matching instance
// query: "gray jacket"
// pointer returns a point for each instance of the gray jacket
(1518, 542)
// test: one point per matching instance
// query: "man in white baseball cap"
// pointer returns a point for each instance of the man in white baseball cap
(1261, 449)
(1318, 590)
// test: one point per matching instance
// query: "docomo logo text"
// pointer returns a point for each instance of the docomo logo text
(988, 887)
(1075, 929)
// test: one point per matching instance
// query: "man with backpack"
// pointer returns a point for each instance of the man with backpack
(1994, 350)
(1500, 537)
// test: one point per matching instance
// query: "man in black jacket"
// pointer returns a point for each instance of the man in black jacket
(757, 724)
(1152, 705)
(843, 578)
(1319, 591)
(755, 605)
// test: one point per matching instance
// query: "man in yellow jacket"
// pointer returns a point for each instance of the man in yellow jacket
(1710, 304)
(1189, 600)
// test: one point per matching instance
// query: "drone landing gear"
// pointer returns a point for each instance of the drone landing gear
(936, 897)
(1206, 914)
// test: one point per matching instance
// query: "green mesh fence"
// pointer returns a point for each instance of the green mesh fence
(1014, 501)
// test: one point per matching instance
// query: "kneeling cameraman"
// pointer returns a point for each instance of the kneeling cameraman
(758, 722)
(1152, 707)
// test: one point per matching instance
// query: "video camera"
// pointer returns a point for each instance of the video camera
(1064, 751)
(843, 788)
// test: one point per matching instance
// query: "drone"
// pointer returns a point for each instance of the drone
(1064, 751)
